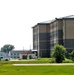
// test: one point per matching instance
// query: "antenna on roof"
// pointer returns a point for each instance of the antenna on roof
(23, 48)
(30, 47)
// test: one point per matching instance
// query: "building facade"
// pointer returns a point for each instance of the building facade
(57, 31)
(22, 54)
(41, 39)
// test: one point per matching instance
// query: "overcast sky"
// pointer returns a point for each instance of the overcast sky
(18, 16)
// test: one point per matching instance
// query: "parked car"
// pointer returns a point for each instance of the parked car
(3, 58)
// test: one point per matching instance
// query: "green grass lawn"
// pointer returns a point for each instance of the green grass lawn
(8, 69)
(39, 60)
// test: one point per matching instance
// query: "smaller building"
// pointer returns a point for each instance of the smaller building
(27, 54)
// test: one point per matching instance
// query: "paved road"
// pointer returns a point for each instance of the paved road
(53, 64)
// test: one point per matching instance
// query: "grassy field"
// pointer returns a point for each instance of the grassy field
(39, 60)
(8, 69)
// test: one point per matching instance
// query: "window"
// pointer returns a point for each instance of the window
(11, 54)
(1, 57)
(1, 54)
(17, 53)
(14, 53)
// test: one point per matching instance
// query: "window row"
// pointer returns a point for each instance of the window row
(14, 53)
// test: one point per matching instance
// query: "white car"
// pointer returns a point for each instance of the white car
(6, 59)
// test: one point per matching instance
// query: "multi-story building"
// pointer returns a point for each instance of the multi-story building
(57, 31)
(62, 32)
(41, 39)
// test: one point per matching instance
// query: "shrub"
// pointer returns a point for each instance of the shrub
(67, 61)
(59, 53)
(30, 57)
(52, 60)
(72, 55)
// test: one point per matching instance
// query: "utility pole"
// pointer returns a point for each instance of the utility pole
(30, 47)
(23, 48)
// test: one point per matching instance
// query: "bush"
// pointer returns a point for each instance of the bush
(67, 61)
(30, 57)
(72, 55)
(39, 58)
(52, 60)
(59, 53)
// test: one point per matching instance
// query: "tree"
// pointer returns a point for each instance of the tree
(59, 53)
(72, 55)
(6, 48)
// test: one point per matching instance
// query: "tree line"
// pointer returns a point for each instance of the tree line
(7, 47)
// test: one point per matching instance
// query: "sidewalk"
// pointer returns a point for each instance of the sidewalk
(50, 64)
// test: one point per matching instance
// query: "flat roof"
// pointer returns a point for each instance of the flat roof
(67, 17)
(50, 21)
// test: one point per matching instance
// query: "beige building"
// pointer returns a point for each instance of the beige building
(49, 33)
(41, 39)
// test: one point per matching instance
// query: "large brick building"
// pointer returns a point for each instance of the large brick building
(58, 31)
